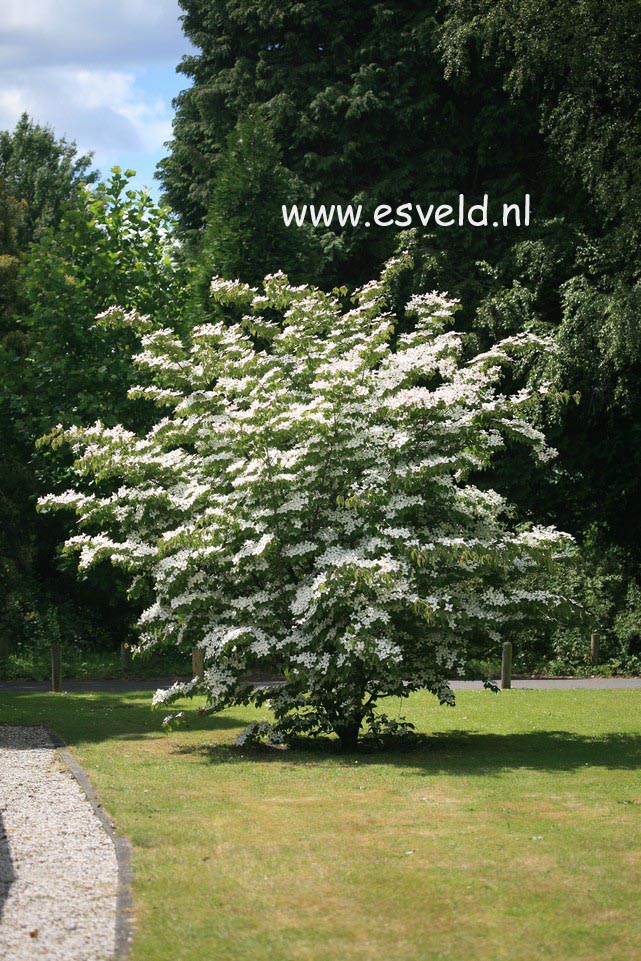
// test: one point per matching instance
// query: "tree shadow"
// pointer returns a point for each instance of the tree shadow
(97, 717)
(7, 875)
(457, 753)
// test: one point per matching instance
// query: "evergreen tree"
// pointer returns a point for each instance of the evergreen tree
(245, 234)
(578, 67)
(358, 104)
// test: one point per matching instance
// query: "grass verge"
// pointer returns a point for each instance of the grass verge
(511, 832)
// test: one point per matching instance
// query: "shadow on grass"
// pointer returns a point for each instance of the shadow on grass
(454, 753)
(97, 717)
(88, 718)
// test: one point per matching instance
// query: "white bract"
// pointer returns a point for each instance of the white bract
(307, 504)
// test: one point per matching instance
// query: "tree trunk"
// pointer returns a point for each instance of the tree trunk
(348, 735)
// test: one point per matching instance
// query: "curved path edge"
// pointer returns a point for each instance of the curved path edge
(122, 847)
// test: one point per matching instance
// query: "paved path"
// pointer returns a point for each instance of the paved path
(560, 683)
(121, 686)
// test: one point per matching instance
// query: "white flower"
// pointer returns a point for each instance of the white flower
(308, 508)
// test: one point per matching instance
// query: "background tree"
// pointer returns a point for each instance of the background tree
(244, 233)
(39, 175)
(111, 244)
(16, 544)
(356, 98)
(11, 215)
(578, 66)
(43, 172)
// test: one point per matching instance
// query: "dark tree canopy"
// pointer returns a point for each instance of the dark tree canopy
(244, 234)
(106, 245)
(357, 101)
(578, 67)
(11, 216)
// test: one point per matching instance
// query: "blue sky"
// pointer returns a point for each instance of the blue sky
(100, 72)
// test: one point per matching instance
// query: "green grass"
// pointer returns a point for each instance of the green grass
(512, 832)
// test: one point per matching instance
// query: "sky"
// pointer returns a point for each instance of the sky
(100, 72)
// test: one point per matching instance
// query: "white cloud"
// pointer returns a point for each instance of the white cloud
(102, 109)
(65, 32)
(100, 72)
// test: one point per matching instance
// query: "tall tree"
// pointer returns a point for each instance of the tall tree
(112, 245)
(578, 68)
(43, 171)
(245, 234)
(16, 546)
(357, 101)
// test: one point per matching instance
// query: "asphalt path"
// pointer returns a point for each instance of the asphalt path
(125, 685)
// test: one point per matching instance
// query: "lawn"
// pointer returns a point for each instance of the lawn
(512, 832)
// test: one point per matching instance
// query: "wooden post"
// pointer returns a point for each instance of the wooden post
(506, 666)
(594, 648)
(198, 662)
(125, 658)
(56, 669)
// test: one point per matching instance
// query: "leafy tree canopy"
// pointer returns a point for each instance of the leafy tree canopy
(41, 171)
(357, 102)
(111, 244)
(245, 234)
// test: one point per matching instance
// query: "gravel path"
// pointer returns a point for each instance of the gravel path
(58, 866)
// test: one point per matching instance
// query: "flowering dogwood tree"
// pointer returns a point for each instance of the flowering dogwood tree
(308, 501)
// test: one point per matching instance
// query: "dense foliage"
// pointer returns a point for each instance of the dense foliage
(356, 99)
(309, 501)
(106, 244)
(42, 172)
(39, 174)
(578, 67)
(417, 101)
(244, 234)
(113, 246)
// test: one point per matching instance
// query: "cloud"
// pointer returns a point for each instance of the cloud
(38, 33)
(100, 72)
(104, 110)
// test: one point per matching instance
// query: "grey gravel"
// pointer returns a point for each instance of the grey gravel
(58, 867)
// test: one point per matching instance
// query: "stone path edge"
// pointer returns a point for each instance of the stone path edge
(122, 847)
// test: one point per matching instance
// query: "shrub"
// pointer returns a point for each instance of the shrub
(309, 500)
